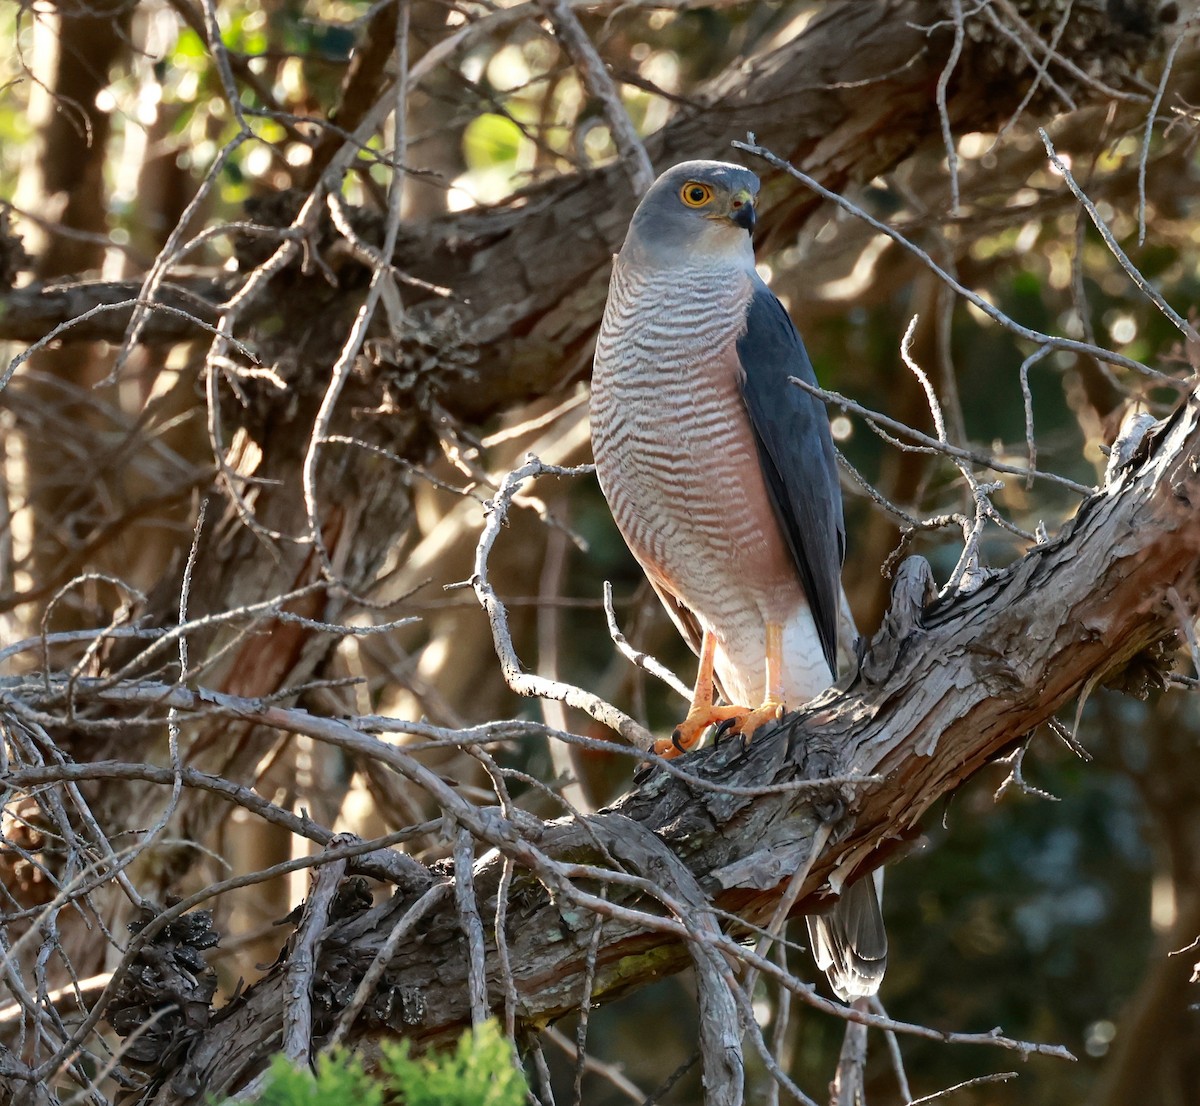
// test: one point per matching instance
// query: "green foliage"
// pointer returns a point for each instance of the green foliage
(478, 1072)
(339, 1079)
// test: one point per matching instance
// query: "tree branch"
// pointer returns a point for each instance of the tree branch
(846, 100)
(28, 314)
(953, 694)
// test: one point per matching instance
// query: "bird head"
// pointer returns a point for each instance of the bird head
(703, 208)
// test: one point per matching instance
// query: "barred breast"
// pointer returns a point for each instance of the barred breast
(677, 460)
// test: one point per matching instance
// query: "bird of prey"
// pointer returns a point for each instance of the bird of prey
(722, 478)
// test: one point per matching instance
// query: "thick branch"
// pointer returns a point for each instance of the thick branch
(981, 673)
(846, 100)
(29, 313)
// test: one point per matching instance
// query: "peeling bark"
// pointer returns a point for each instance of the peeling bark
(978, 674)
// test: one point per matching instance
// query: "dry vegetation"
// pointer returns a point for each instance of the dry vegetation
(302, 567)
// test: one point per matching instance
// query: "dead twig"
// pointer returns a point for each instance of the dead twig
(297, 1010)
(1114, 247)
(992, 312)
(590, 66)
(523, 683)
(472, 924)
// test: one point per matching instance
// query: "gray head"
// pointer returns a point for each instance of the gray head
(696, 210)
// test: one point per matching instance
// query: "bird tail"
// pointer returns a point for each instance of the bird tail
(849, 943)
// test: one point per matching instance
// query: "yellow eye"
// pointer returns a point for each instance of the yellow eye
(695, 194)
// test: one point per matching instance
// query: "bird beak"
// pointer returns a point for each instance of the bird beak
(741, 210)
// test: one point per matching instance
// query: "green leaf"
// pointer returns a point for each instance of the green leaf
(491, 140)
(339, 1079)
(479, 1071)
(190, 45)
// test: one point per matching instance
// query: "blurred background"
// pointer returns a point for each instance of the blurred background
(1059, 911)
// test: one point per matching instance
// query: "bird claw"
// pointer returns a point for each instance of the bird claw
(748, 723)
(642, 771)
(770, 711)
(688, 733)
(677, 744)
(726, 729)
(727, 719)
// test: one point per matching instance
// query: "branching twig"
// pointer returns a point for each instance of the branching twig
(999, 1077)
(523, 683)
(642, 660)
(1151, 293)
(371, 977)
(932, 445)
(590, 66)
(381, 282)
(992, 312)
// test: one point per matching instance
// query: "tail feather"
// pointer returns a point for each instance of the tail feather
(849, 943)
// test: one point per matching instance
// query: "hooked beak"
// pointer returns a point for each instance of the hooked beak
(741, 210)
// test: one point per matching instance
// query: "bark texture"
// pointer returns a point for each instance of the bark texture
(847, 99)
(944, 695)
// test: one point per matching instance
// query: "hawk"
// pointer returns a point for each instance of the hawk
(722, 478)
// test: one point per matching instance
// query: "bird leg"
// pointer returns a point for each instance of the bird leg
(703, 712)
(740, 720)
(743, 720)
(772, 705)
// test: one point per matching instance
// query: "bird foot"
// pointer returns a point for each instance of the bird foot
(770, 711)
(691, 729)
(746, 723)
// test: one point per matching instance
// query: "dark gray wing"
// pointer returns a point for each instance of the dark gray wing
(795, 449)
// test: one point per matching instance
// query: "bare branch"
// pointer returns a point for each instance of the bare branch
(297, 1027)
(1133, 539)
(472, 924)
(590, 66)
(523, 683)
(1101, 354)
(955, 453)
(1150, 292)
(638, 658)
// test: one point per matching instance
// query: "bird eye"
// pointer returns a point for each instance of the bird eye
(695, 194)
